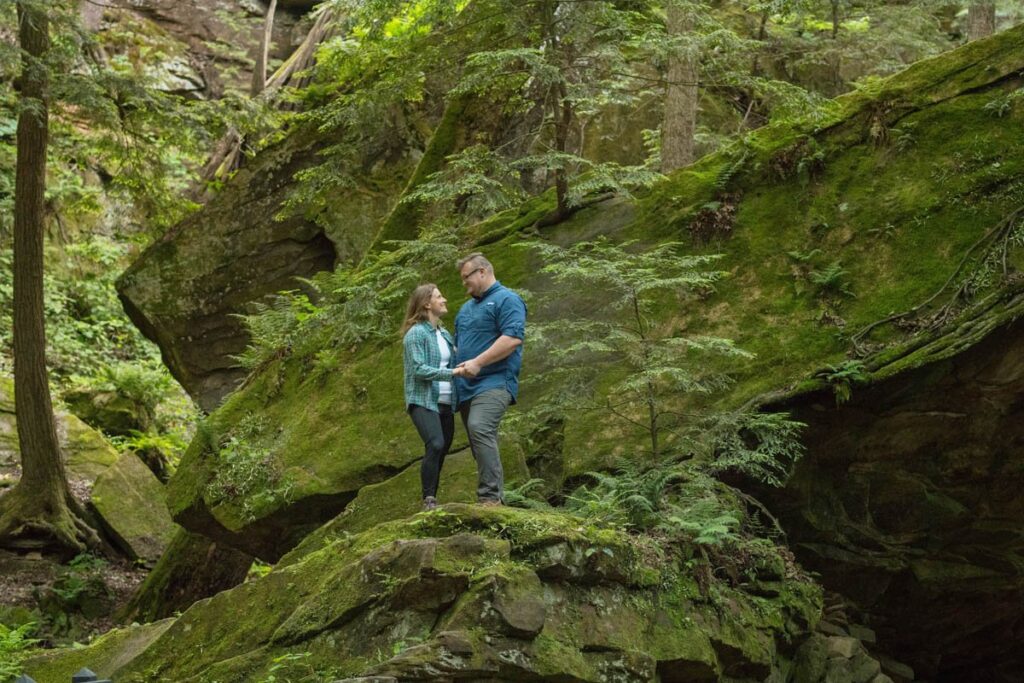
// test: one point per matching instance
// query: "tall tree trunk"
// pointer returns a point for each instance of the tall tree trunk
(681, 97)
(39, 513)
(981, 20)
(259, 72)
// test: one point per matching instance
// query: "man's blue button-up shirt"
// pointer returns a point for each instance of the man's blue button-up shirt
(498, 311)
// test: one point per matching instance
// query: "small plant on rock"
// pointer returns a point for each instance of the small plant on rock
(843, 376)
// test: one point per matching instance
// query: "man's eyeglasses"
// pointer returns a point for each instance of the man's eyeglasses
(466, 276)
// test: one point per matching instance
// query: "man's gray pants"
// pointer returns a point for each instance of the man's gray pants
(481, 416)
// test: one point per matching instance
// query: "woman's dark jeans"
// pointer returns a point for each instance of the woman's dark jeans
(436, 430)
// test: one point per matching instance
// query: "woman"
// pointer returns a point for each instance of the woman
(429, 390)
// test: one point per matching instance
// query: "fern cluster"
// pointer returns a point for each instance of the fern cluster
(16, 643)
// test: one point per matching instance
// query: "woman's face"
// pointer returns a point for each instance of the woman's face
(437, 305)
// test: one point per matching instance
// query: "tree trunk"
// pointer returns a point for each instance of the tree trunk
(39, 513)
(259, 72)
(981, 20)
(192, 568)
(682, 93)
(563, 121)
(762, 33)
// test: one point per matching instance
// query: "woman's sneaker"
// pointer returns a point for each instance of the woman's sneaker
(429, 503)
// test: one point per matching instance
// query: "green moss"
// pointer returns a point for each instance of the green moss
(129, 500)
(105, 655)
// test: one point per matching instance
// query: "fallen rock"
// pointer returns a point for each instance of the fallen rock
(129, 501)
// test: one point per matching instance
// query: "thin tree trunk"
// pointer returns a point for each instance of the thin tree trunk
(835, 19)
(227, 152)
(259, 72)
(682, 94)
(981, 20)
(762, 33)
(38, 512)
(563, 121)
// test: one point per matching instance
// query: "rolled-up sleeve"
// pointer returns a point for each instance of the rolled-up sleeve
(512, 317)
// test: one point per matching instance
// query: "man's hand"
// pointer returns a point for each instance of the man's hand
(470, 368)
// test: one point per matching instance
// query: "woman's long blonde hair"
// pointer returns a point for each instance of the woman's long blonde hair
(415, 311)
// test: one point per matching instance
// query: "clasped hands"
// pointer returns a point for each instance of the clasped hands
(469, 368)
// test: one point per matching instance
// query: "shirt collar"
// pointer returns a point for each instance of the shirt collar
(490, 290)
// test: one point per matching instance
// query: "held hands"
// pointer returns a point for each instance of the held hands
(469, 368)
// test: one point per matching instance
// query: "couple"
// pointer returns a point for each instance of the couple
(476, 373)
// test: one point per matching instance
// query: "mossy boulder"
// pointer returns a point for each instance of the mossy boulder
(87, 453)
(459, 593)
(125, 496)
(185, 291)
(109, 411)
(129, 500)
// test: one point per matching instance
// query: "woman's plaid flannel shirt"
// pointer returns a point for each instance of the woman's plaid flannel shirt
(422, 366)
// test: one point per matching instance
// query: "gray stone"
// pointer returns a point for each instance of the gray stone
(842, 646)
(830, 629)
(862, 633)
(863, 667)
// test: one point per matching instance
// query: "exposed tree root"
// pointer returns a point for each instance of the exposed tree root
(991, 251)
(30, 521)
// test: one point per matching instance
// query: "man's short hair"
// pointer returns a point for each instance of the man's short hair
(477, 260)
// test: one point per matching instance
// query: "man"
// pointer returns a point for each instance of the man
(489, 332)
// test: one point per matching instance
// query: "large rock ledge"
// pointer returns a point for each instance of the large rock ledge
(472, 593)
(908, 503)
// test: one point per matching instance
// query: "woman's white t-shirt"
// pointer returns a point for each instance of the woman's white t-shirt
(446, 355)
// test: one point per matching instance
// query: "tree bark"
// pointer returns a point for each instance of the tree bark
(682, 93)
(39, 513)
(563, 120)
(259, 73)
(192, 568)
(981, 20)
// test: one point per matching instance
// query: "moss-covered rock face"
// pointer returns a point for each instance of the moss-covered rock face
(207, 45)
(184, 290)
(308, 445)
(125, 497)
(470, 593)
